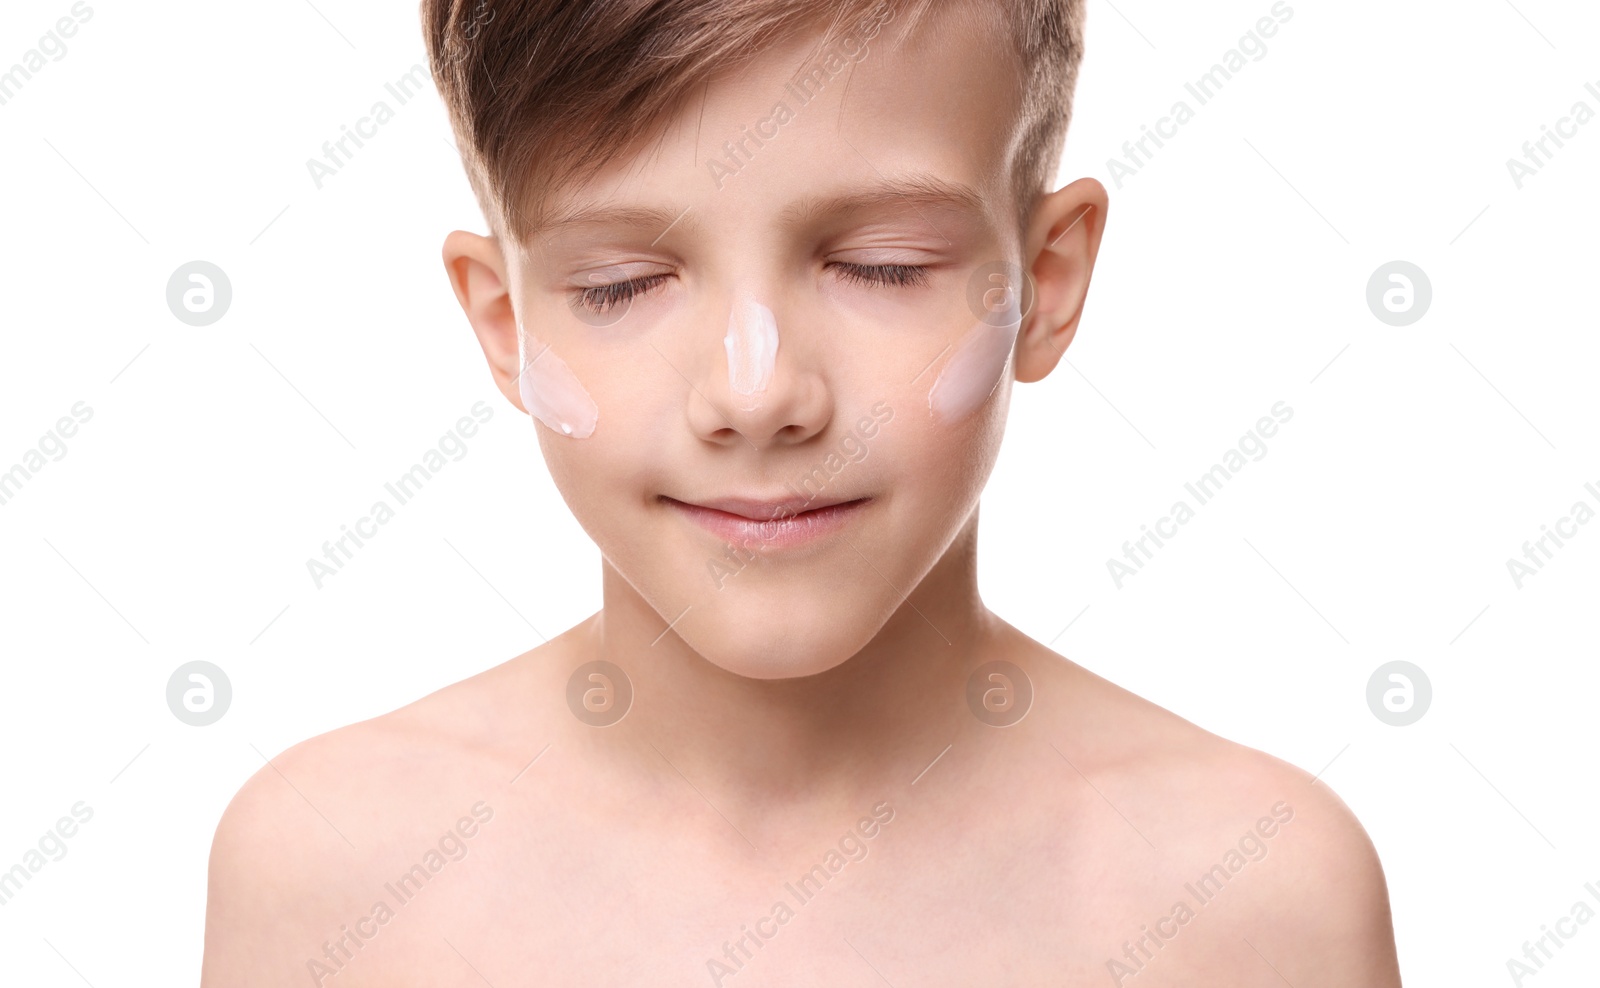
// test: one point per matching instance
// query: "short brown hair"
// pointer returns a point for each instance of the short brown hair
(540, 90)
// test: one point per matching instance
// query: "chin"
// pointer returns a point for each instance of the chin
(786, 639)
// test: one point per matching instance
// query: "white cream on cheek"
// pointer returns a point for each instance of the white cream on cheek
(752, 348)
(552, 393)
(971, 374)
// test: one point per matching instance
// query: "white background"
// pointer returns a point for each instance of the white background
(1233, 276)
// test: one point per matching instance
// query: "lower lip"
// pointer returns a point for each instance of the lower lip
(800, 529)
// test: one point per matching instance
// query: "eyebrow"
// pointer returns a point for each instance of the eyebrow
(914, 191)
(635, 216)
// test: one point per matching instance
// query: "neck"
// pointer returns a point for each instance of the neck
(832, 742)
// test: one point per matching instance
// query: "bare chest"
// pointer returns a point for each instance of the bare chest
(912, 904)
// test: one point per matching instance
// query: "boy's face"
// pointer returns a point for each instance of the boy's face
(823, 335)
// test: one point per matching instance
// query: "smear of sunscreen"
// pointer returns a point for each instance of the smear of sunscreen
(752, 346)
(972, 372)
(553, 394)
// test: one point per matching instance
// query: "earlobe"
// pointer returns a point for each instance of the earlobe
(1063, 242)
(476, 267)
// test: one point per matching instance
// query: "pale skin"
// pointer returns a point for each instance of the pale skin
(806, 690)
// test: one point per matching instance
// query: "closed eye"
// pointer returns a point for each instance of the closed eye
(602, 298)
(895, 275)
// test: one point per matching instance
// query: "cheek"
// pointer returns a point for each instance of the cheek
(980, 358)
(552, 393)
(636, 448)
(594, 479)
(972, 372)
(944, 464)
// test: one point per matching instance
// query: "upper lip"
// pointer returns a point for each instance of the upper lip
(766, 509)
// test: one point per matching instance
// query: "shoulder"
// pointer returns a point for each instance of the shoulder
(1320, 902)
(1298, 881)
(307, 839)
(1300, 877)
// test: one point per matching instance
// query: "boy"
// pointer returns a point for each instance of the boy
(763, 272)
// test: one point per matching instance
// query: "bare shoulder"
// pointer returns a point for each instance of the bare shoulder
(308, 839)
(1309, 901)
(1299, 881)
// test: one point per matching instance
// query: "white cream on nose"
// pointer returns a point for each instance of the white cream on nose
(752, 347)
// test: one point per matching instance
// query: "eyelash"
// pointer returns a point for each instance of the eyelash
(892, 275)
(602, 298)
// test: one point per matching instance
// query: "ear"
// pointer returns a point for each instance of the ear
(1062, 243)
(477, 270)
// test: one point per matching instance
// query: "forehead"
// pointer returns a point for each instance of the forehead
(872, 115)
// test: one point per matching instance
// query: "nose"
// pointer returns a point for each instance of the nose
(763, 384)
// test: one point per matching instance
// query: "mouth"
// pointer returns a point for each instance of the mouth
(776, 524)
